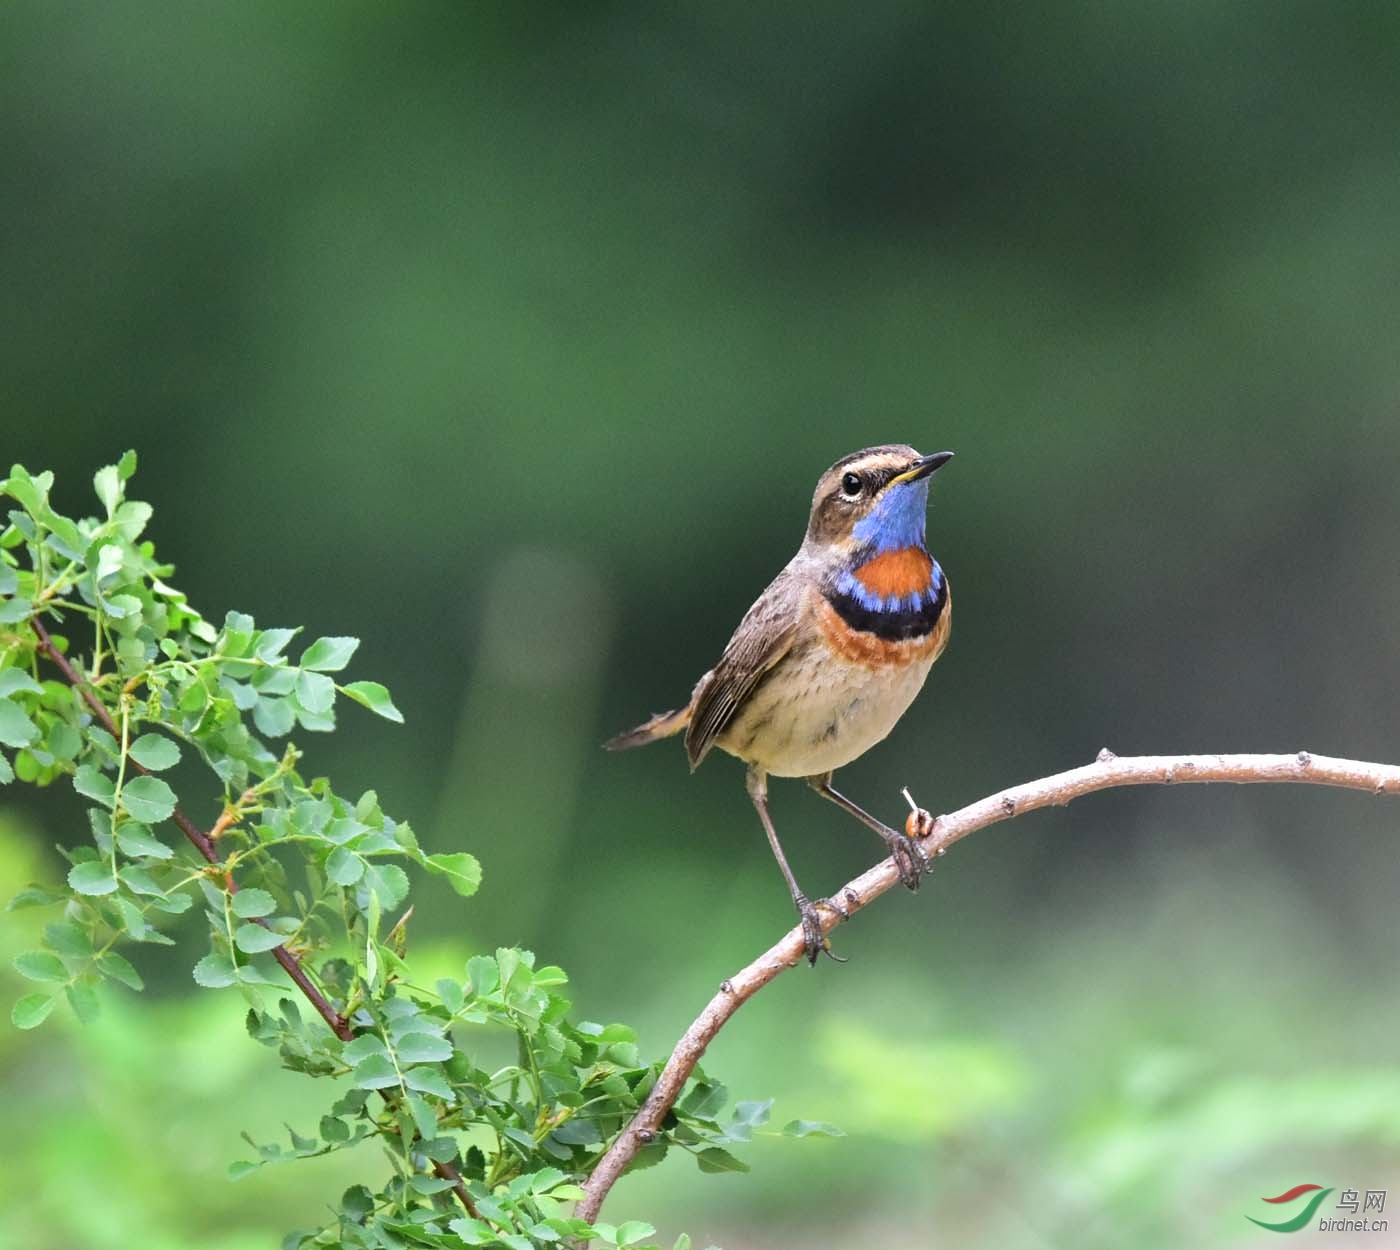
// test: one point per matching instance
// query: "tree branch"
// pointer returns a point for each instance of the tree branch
(208, 849)
(1106, 773)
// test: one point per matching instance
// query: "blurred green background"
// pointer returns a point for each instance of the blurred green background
(512, 339)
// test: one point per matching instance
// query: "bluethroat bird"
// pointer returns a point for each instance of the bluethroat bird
(832, 653)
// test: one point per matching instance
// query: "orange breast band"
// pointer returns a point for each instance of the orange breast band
(905, 571)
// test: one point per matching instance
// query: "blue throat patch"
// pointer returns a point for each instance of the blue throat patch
(897, 519)
(895, 522)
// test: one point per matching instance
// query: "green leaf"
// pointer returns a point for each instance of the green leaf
(92, 784)
(148, 799)
(237, 1171)
(253, 939)
(12, 611)
(9, 580)
(424, 1117)
(250, 903)
(16, 729)
(154, 752)
(315, 692)
(389, 883)
(7, 773)
(271, 644)
(344, 829)
(135, 923)
(716, 1160)
(375, 697)
(215, 971)
(274, 717)
(40, 966)
(357, 1202)
(139, 881)
(484, 974)
(578, 1133)
(67, 938)
(428, 1081)
(16, 679)
(31, 1010)
(633, 1231)
(94, 877)
(29, 492)
(33, 896)
(461, 869)
(107, 483)
(139, 842)
(362, 1047)
(747, 1117)
(375, 1072)
(83, 1001)
(64, 742)
(344, 867)
(329, 655)
(451, 994)
(64, 536)
(423, 1048)
(704, 1101)
(811, 1128)
(473, 1232)
(119, 969)
(109, 562)
(608, 1034)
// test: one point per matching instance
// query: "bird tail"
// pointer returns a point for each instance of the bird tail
(662, 725)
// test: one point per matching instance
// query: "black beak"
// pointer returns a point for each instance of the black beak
(925, 466)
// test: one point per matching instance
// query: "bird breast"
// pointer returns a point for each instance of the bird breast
(837, 692)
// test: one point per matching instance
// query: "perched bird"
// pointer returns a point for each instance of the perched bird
(832, 653)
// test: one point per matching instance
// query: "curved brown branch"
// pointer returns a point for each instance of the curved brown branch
(1106, 773)
(208, 849)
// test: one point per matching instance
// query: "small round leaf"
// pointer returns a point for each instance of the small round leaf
(31, 1011)
(148, 799)
(253, 938)
(94, 877)
(154, 752)
(251, 903)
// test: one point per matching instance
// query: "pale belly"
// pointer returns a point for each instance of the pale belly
(815, 713)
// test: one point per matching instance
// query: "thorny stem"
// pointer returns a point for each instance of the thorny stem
(1106, 773)
(204, 844)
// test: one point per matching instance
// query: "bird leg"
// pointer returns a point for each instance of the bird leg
(814, 941)
(907, 856)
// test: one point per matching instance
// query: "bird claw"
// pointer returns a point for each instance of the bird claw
(909, 859)
(814, 940)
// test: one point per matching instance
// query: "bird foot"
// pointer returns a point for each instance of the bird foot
(814, 940)
(909, 859)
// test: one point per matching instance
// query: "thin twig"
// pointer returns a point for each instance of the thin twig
(205, 845)
(1106, 773)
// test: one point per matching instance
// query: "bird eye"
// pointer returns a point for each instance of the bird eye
(851, 485)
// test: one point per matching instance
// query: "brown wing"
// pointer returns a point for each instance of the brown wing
(764, 636)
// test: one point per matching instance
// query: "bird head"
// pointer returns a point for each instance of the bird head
(874, 499)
